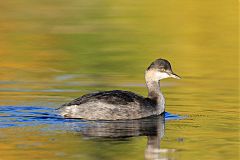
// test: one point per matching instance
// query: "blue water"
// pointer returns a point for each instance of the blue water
(21, 116)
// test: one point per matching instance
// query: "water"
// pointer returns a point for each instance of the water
(100, 131)
(22, 116)
(52, 52)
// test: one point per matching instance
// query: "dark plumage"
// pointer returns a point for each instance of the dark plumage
(109, 105)
(111, 97)
(160, 64)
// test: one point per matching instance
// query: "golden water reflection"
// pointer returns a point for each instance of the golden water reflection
(52, 52)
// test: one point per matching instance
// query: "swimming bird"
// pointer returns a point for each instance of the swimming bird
(123, 105)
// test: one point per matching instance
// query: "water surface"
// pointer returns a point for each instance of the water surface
(54, 51)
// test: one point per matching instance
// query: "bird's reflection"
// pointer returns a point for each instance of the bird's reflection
(152, 127)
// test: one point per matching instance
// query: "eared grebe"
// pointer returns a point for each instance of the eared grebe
(117, 104)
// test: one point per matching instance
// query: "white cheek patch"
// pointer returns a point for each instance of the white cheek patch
(162, 75)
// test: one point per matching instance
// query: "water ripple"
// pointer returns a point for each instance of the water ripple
(20, 116)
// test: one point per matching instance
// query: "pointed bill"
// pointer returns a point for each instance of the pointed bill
(173, 75)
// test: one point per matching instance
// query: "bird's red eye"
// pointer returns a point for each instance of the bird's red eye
(162, 70)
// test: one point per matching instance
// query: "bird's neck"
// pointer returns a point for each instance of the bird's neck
(154, 92)
(153, 84)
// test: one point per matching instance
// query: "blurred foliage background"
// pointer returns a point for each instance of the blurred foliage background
(53, 51)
